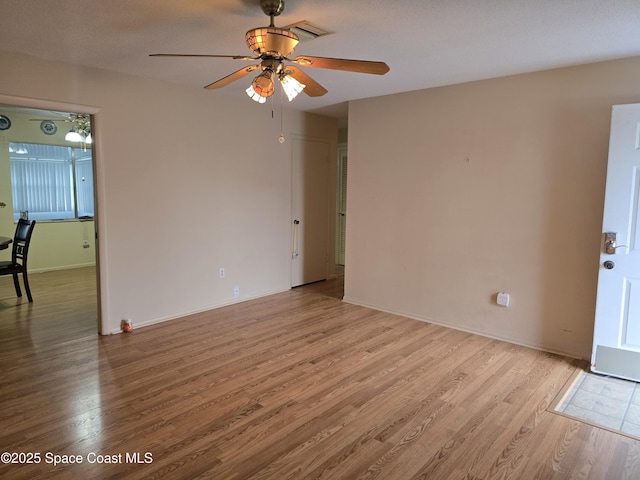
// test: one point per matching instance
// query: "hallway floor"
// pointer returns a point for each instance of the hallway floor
(609, 402)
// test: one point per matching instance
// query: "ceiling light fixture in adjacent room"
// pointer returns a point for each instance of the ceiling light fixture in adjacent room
(80, 129)
(21, 149)
(73, 136)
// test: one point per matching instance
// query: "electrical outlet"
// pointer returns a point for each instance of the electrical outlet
(236, 291)
(222, 273)
(503, 299)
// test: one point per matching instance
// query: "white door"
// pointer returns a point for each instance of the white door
(616, 339)
(309, 211)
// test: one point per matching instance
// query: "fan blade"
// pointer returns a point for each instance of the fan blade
(243, 72)
(48, 120)
(358, 66)
(312, 88)
(235, 57)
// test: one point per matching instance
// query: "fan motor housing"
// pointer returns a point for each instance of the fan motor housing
(273, 8)
(271, 41)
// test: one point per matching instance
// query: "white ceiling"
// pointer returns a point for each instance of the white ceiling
(426, 43)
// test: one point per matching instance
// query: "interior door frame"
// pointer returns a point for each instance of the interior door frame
(98, 190)
(342, 163)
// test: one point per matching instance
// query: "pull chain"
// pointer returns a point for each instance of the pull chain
(281, 137)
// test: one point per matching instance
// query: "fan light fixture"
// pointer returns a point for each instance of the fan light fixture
(254, 95)
(291, 86)
(263, 85)
(80, 130)
(73, 136)
(273, 44)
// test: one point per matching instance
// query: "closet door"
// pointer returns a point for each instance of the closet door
(309, 220)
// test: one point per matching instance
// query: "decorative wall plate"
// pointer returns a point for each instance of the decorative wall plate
(48, 127)
(5, 123)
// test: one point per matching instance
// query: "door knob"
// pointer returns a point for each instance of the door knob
(609, 265)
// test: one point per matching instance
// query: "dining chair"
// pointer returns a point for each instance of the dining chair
(18, 263)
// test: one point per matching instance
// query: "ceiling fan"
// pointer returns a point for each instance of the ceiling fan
(80, 126)
(272, 46)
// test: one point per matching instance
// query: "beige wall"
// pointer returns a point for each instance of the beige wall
(54, 245)
(460, 192)
(189, 181)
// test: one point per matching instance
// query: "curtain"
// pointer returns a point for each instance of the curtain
(42, 182)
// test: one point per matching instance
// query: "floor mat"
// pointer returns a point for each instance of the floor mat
(603, 401)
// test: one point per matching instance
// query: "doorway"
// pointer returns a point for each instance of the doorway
(71, 231)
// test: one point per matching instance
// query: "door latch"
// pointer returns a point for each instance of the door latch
(610, 242)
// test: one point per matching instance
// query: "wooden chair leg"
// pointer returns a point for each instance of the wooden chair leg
(17, 285)
(25, 279)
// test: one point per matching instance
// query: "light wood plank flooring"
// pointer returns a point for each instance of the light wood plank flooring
(296, 385)
(333, 288)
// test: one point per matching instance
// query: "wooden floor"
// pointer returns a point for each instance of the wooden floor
(297, 385)
(333, 288)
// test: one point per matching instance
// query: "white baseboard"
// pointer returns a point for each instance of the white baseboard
(540, 347)
(208, 308)
(64, 267)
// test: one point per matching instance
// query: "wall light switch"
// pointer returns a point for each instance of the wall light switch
(503, 299)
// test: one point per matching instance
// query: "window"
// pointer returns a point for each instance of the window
(51, 182)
